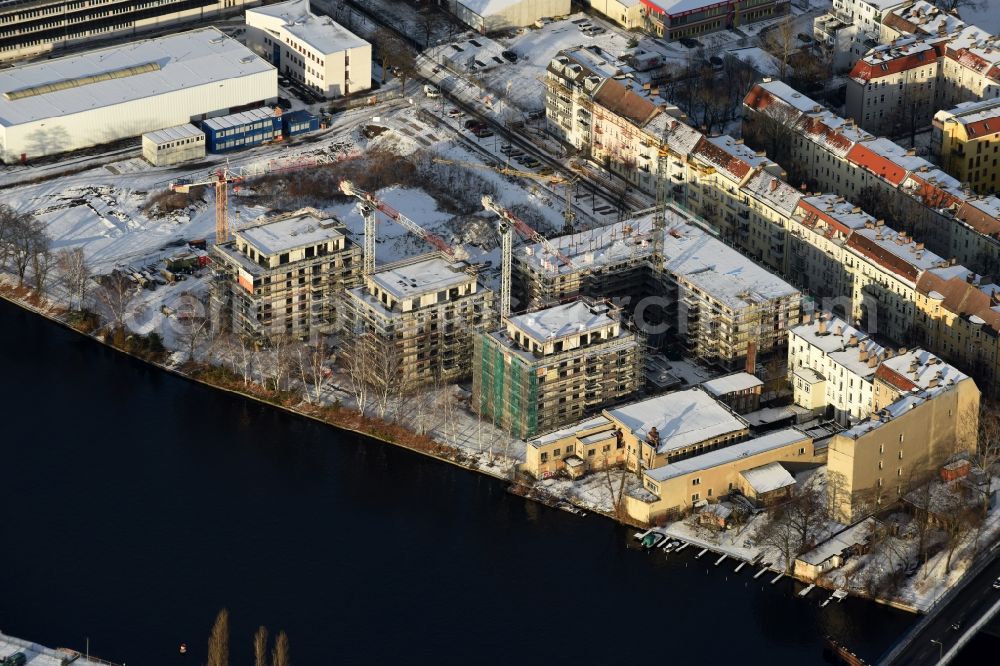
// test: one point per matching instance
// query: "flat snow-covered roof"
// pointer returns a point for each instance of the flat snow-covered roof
(728, 454)
(238, 119)
(147, 68)
(681, 418)
(489, 7)
(739, 381)
(290, 232)
(167, 134)
(320, 32)
(563, 320)
(769, 477)
(420, 277)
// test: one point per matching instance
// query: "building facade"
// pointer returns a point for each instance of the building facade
(925, 412)
(101, 96)
(38, 27)
(550, 367)
(314, 50)
(173, 145)
(285, 276)
(965, 141)
(426, 312)
(675, 19)
(486, 16)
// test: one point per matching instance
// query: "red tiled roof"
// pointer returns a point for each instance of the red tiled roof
(931, 195)
(624, 102)
(722, 159)
(868, 71)
(883, 257)
(978, 220)
(812, 213)
(877, 164)
(894, 379)
(960, 297)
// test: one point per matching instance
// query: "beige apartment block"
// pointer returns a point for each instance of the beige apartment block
(925, 412)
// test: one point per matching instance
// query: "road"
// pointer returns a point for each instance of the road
(964, 608)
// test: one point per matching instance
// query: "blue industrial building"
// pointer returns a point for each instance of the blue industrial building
(298, 122)
(240, 130)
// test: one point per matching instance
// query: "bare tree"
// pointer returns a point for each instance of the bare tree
(982, 434)
(72, 265)
(115, 296)
(41, 264)
(793, 525)
(394, 53)
(770, 130)
(9, 219)
(280, 655)
(780, 41)
(260, 647)
(312, 364)
(958, 518)
(193, 327)
(218, 641)
(26, 239)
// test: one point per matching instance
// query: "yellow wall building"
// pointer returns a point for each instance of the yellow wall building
(966, 142)
(925, 411)
(751, 467)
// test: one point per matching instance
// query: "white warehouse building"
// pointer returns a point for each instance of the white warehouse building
(314, 50)
(101, 96)
(493, 15)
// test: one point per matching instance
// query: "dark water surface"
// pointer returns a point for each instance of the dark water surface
(135, 505)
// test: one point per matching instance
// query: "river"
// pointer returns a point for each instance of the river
(134, 505)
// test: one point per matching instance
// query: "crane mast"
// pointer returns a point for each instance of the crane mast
(369, 204)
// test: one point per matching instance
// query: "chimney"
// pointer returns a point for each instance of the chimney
(862, 353)
(751, 367)
(774, 184)
(872, 361)
(653, 437)
(821, 329)
(853, 341)
(970, 277)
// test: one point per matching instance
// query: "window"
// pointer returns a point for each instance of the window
(545, 457)
(709, 492)
(590, 453)
(802, 451)
(696, 482)
(900, 455)
(695, 497)
(555, 453)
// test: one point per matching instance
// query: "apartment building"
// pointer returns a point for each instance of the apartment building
(924, 412)
(284, 276)
(674, 19)
(830, 154)
(893, 89)
(40, 26)
(752, 468)
(920, 18)
(425, 311)
(731, 312)
(851, 28)
(314, 50)
(831, 368)
(739, 391)
(965, 141)
(914, 76)
(546, 368)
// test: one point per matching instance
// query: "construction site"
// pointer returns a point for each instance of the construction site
(549, 367)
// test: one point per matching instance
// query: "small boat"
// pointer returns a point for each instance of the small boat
(652, 540)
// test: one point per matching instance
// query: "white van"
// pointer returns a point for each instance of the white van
(431, 91)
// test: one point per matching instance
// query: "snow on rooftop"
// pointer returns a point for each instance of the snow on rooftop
(841, 343)
(739, 381)
(563, 320)
(320, 32)
(902, 247)
(756, 57)
(774, 190)
(238, 119)
(768, 478)
(720, 271)
(923, 369)
(728, 454)
(165, 64)
(790, 96)
(407, 279)
(838, 543)
(287, 232)
(681, 418)
(841, 211)
(599, 421)
(489, 7)
(39, 655)
(167, 134)
(681, 6)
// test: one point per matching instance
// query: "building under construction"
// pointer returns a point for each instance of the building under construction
(285, 275)
(720, 304)
(550, 367)
(425, 311)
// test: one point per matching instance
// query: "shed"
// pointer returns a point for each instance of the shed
(298, 122)
(173, 145)
(242, 130)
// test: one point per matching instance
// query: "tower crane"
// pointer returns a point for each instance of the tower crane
(369, 204)
(225, 176)
(509, 222)
(554, 179)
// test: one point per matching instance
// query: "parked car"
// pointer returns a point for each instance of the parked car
(455, 112)
(284, 104)
(531, 162)
(689, 42)
(483, 132)
(473, 124)
(506, 149)
(996, 584)
(431, 91)
(509, 55)
(804, 37)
